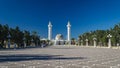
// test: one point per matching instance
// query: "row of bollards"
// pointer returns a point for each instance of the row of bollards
(95, 41)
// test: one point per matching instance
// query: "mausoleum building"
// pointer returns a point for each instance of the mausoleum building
(59, 40)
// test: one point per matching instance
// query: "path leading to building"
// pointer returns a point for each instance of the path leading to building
(60, 57)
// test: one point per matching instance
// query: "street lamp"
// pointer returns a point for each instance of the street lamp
(109, 40)
(81, 42)
(9, 36)
(119, 37)
(39, 40)
(78, 41)
(118, 41)
(32, 41)
(86, 42)
(94, 41)
(24, 41)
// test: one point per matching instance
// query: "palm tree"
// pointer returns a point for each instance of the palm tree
(73, 41)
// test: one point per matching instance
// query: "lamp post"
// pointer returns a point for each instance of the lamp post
(32, 41)
(109, 40)
(86, 42)
(118, 41)
(78, 41)
(81, 42)
(9, 36)
(39, 40)
(24, 41)
(94, 41)
(119, 37)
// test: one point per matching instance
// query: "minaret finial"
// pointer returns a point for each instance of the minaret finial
(68, 25)
(49, 25)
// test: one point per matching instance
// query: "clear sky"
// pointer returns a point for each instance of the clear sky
(84, 15)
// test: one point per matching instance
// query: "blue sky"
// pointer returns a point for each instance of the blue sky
(84, 15)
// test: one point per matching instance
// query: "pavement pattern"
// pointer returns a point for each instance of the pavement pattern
(60, 57)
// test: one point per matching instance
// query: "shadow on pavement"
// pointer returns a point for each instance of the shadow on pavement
(25, 57)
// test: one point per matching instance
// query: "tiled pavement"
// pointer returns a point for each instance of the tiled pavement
(60, 57)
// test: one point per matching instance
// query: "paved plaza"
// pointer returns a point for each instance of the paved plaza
(60, 57)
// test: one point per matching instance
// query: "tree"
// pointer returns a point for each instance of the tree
(35, 37)
(27, 37)
(73, 41)
(17, 36)
(101, 35)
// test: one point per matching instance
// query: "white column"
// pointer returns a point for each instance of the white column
(86, 42)
(109, 40)
(49, 31)
(118, 45)
(24, 42)
(15, 45)
(9, 43)
(109, 43)
(68, 32)
(81, 42)
(94, 41)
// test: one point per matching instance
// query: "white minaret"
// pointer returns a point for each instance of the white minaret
(68, 32)
(49, 31)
